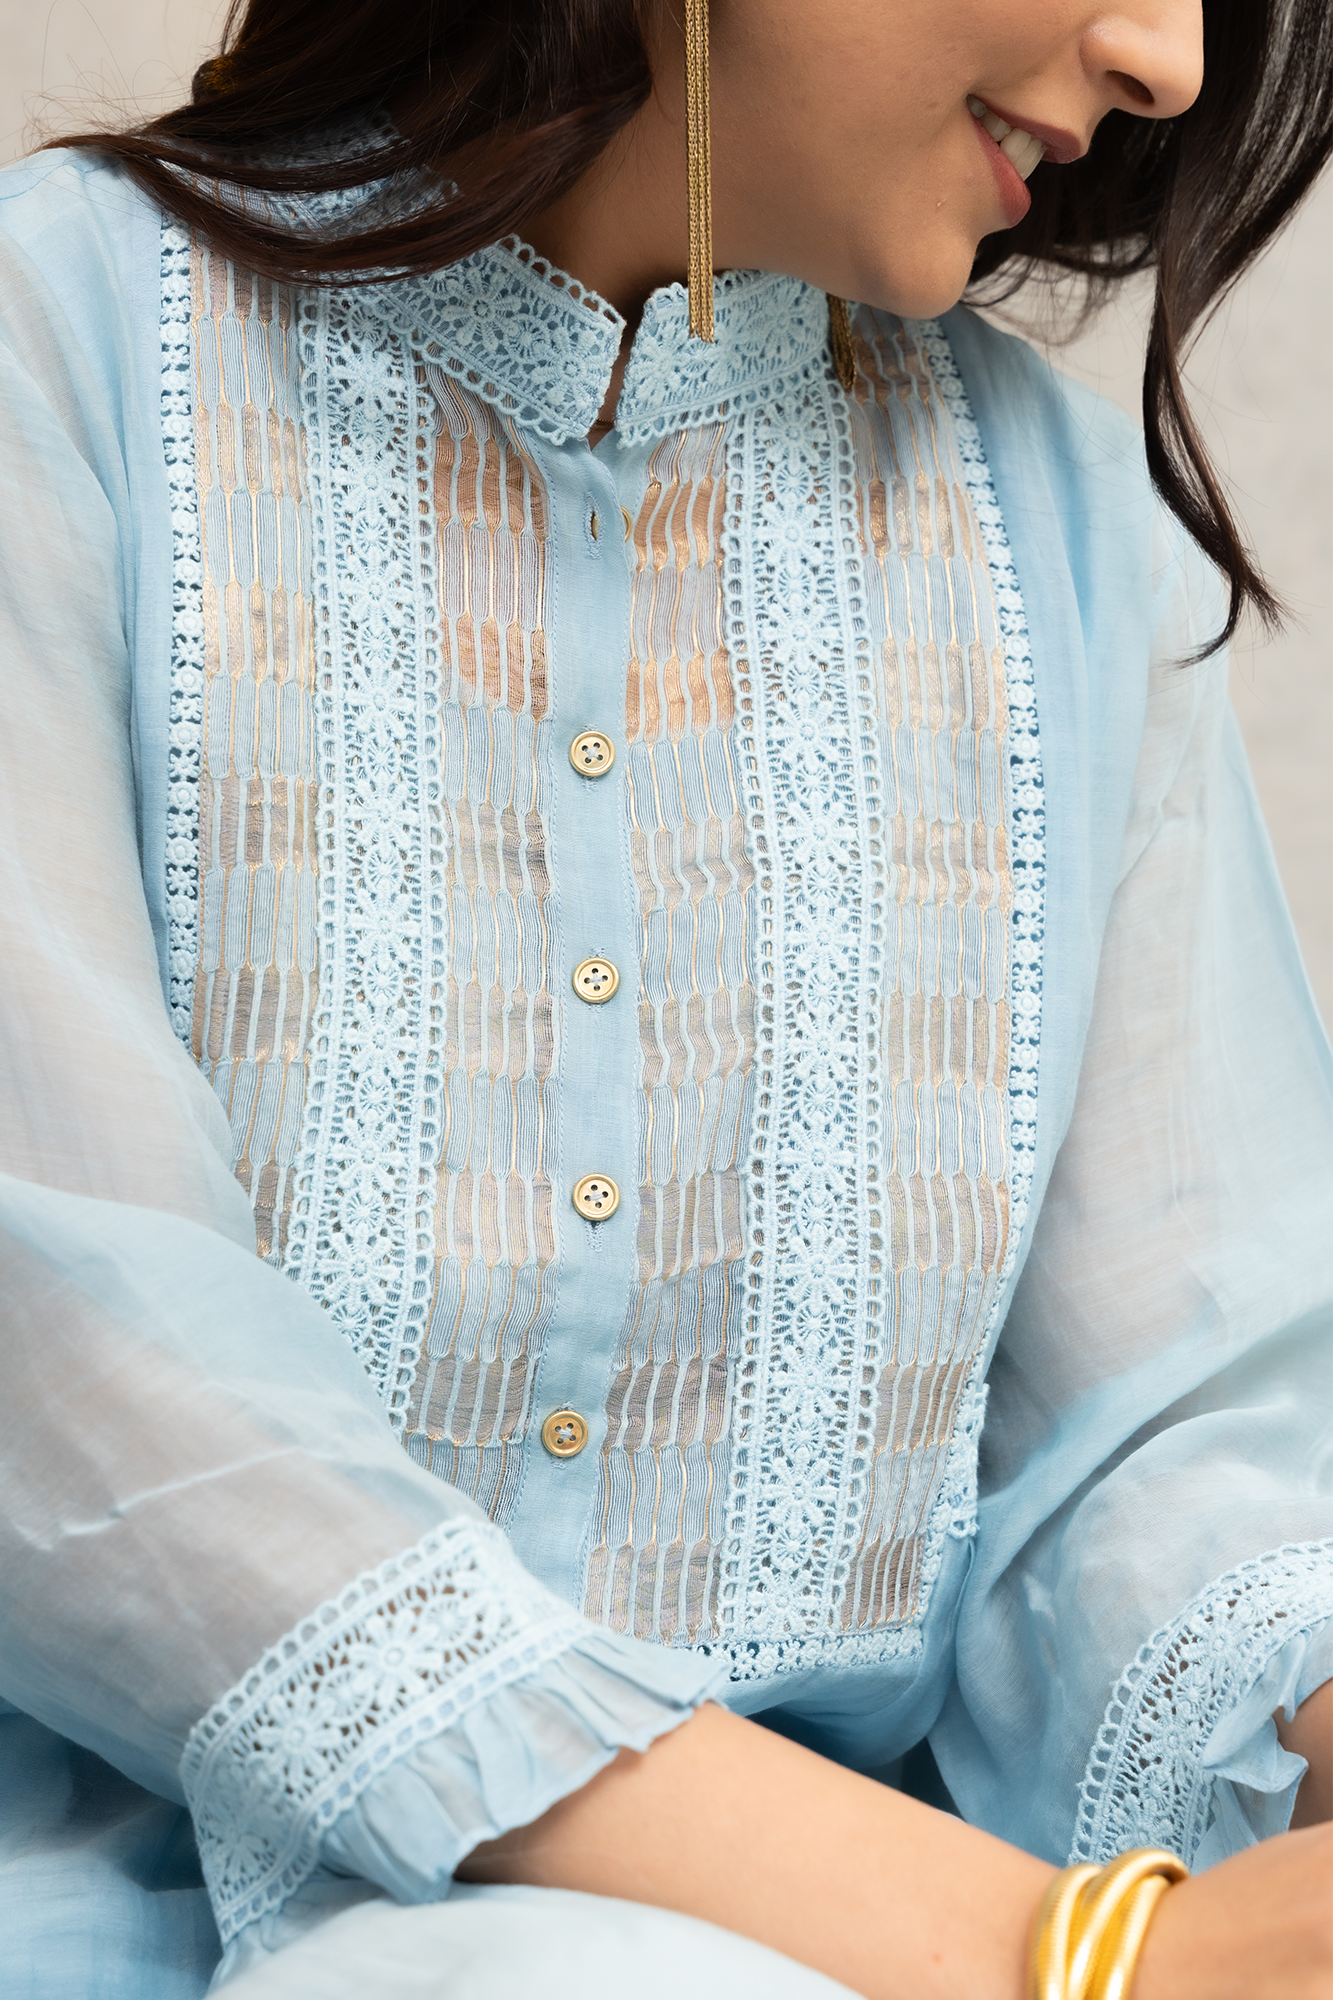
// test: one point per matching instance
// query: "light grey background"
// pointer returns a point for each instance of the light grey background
(1262, 380)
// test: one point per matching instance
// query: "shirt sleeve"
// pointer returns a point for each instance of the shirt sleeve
(1154, 1576)
(219, 1570)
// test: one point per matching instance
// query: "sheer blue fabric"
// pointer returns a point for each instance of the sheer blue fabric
(225, 1580)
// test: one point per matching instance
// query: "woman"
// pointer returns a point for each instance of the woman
(698, 895)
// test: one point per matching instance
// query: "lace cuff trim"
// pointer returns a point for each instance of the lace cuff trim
(401, 1654)
(1146, 1783)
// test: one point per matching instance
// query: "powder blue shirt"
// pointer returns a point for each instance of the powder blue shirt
(960, 1051)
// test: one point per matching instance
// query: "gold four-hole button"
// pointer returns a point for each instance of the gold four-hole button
(564, 1433)
(595, 980)
(592, 754)
(596, 1197)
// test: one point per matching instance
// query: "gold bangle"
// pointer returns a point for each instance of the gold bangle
(1091, 1923)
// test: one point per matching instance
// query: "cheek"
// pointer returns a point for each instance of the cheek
(914, 231)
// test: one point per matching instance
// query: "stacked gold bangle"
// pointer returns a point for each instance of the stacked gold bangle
(1091, 1924)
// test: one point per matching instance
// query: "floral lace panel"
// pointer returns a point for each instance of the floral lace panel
(513, 330)
(362, 1227)
(400, 1655)
(1145, 1784)
(771, 336)
(877, 807)
(1024, 786)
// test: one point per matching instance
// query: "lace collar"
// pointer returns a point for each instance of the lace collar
(540, 346)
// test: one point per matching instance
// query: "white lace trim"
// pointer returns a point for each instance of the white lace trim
(791, 577)
(1145, 1783)
(398, 1656)
(771, 336)
(186, 698)
(362, 1229)
(513, 329)
(1027, 801)
(802, 1445)
(953, 1517)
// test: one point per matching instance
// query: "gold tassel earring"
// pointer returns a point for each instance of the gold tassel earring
(840, 341)
(699, 172)
(699, 169)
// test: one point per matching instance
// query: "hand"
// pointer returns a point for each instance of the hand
(1256, 1927)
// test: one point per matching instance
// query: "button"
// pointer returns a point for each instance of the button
(595, 980)
(592, 753)
(564, 1433)
(592, 523)
(596, 1197)
(629, 524)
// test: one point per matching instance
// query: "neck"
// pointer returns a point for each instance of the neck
(623, 229)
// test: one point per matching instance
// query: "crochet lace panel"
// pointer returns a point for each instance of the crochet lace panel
(519, 333)
(1145, 1783)
(803, 1446)
(538, 345)
(397, 1657)
(770, 337)
(186, 697)
(361, 1236)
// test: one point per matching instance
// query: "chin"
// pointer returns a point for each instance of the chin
(920, 289)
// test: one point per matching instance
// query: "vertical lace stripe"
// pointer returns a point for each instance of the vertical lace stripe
(363, 1219)
(256, 979)
(185, 715)
(664, 1465)
(495, 1240)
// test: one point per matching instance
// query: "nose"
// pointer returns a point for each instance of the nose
(1147, 57)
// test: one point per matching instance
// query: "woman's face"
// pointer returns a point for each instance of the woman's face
(849, 146)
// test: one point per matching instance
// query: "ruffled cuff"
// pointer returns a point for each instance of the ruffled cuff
(440, 1700)
(504, 1763)
(1188, 1756)
(1254, 1778)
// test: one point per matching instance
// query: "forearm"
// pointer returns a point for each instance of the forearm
(1309, 1734)
(724, 1820)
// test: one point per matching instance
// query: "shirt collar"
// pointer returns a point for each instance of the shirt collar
(540, 346)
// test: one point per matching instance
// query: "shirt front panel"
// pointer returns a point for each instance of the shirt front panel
(811, 805)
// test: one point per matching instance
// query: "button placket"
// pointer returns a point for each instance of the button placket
(598, 1059)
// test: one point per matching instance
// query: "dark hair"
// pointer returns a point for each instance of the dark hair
(530, 92)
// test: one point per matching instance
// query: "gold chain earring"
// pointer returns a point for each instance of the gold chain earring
(699, 169)
(840, 341)
(699, 173)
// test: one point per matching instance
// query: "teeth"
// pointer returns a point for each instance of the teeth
(1023, 150)
(1019, 147)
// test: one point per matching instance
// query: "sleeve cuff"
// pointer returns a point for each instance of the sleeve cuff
(438, 1701)
(502, 1764)
(1254, 1778)
(1188, 1756)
